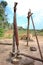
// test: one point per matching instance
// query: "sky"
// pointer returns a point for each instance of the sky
(23, 7)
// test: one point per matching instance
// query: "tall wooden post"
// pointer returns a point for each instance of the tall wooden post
(28, 37)
(28, 30)
(15, 35)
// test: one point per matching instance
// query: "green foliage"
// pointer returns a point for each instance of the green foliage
(3, 17)
(1, 9)
(24, 31)
(41, 30)
(4, 3)
(1, 13)
(1, 32)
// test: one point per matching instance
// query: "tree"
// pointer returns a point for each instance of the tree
(1, 14)
(3, 17)
(1, 11)
(4, 4)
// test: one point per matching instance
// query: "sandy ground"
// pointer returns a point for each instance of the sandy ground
(6, 49)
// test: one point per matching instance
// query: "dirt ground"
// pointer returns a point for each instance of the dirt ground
(6, 48)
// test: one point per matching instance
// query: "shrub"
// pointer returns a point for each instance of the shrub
(1, 32)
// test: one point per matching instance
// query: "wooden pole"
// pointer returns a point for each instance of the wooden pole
(15, 35)
(34, 58)
(37, 39)
(28, 30)
(28, 37)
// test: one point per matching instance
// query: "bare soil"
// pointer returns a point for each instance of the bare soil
(6, 48)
